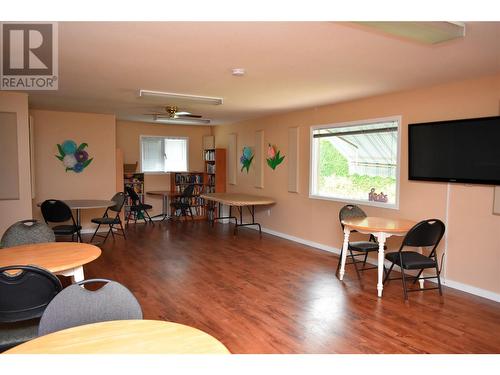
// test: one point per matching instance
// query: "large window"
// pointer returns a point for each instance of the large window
(164, 154)
(356, 162)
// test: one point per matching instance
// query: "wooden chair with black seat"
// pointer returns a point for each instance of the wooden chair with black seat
(182, 205)
(139, 208)
(106, 219)
(357, 248)
(425, 234)
(25, 292)
(56, 211)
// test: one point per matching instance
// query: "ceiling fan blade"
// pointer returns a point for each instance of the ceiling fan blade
(188, 115)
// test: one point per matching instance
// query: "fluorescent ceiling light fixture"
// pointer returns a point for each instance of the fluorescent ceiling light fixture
(423, 32)
(167, 120)
(173, 95)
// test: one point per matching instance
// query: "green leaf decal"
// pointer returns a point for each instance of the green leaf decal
(69, 169)
(61, 152)
(82, 146)
(59, 157)
(86, 163)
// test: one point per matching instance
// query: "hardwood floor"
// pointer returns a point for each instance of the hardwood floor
(270, 295)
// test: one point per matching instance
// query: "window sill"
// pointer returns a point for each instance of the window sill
(357, 202)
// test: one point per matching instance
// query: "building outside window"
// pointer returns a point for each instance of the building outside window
(356, 162)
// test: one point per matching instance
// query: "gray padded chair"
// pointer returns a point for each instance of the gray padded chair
(76, 306)
(360, 248)
(27, 232)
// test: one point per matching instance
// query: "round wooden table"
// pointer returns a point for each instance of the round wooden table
(61, 258)
(124, 337)
(382, 228)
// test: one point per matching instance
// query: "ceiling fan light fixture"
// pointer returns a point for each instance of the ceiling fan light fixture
(181, 121)
(172, 95)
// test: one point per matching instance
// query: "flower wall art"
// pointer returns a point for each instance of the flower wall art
(273, 156)
(246, 158)
(74, 157)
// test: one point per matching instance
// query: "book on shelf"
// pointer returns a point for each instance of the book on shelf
(187, 178)
(209, 155)
(211, 168)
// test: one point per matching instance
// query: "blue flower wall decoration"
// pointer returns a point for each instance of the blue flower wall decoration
(74, 158)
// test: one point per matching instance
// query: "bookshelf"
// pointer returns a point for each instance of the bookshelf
(215, 168)
(136, 181)
(180, 180)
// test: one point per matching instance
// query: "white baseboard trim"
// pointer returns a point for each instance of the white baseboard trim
(91, 231)
(472, 290)
(449, 283)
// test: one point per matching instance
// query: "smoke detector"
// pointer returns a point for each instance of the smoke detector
(238, 72)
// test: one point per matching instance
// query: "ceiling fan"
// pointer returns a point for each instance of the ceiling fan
(174, 115)
(173, 112)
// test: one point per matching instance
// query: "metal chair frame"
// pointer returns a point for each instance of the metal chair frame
(432, 255)
(118, 211)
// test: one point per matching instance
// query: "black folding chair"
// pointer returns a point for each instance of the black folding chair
(427, 233)
(119, 199)
(357, 248)
(183, 203)
(137, 207)
(55, 211)
(25, 292)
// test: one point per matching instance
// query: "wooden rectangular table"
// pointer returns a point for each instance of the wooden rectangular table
(239, 201)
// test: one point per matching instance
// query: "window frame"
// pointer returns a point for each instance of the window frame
(162, 137)
(313, 161)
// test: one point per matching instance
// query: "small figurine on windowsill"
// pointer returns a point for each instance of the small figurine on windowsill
(374, 197)
(371, 194)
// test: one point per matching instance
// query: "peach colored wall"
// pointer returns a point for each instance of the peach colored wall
(473, 254)
(18, 209)
(97, 181)
(127, 139)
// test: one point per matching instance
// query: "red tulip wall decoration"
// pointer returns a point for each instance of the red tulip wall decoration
(273, 156)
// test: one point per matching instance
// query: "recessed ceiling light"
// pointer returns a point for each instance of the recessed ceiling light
(186, 97)
(238, 72)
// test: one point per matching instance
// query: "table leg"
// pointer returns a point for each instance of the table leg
(78, 221)
(381, 238)
(345, 247)
(76, 274)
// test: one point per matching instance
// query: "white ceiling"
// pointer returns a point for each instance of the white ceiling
(290, 65)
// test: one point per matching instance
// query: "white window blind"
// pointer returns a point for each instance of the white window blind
(164, 154)
(175, 155)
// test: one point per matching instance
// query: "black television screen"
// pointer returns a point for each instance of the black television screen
(457, 151)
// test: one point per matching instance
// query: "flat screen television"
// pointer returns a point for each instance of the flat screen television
(465, 151)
